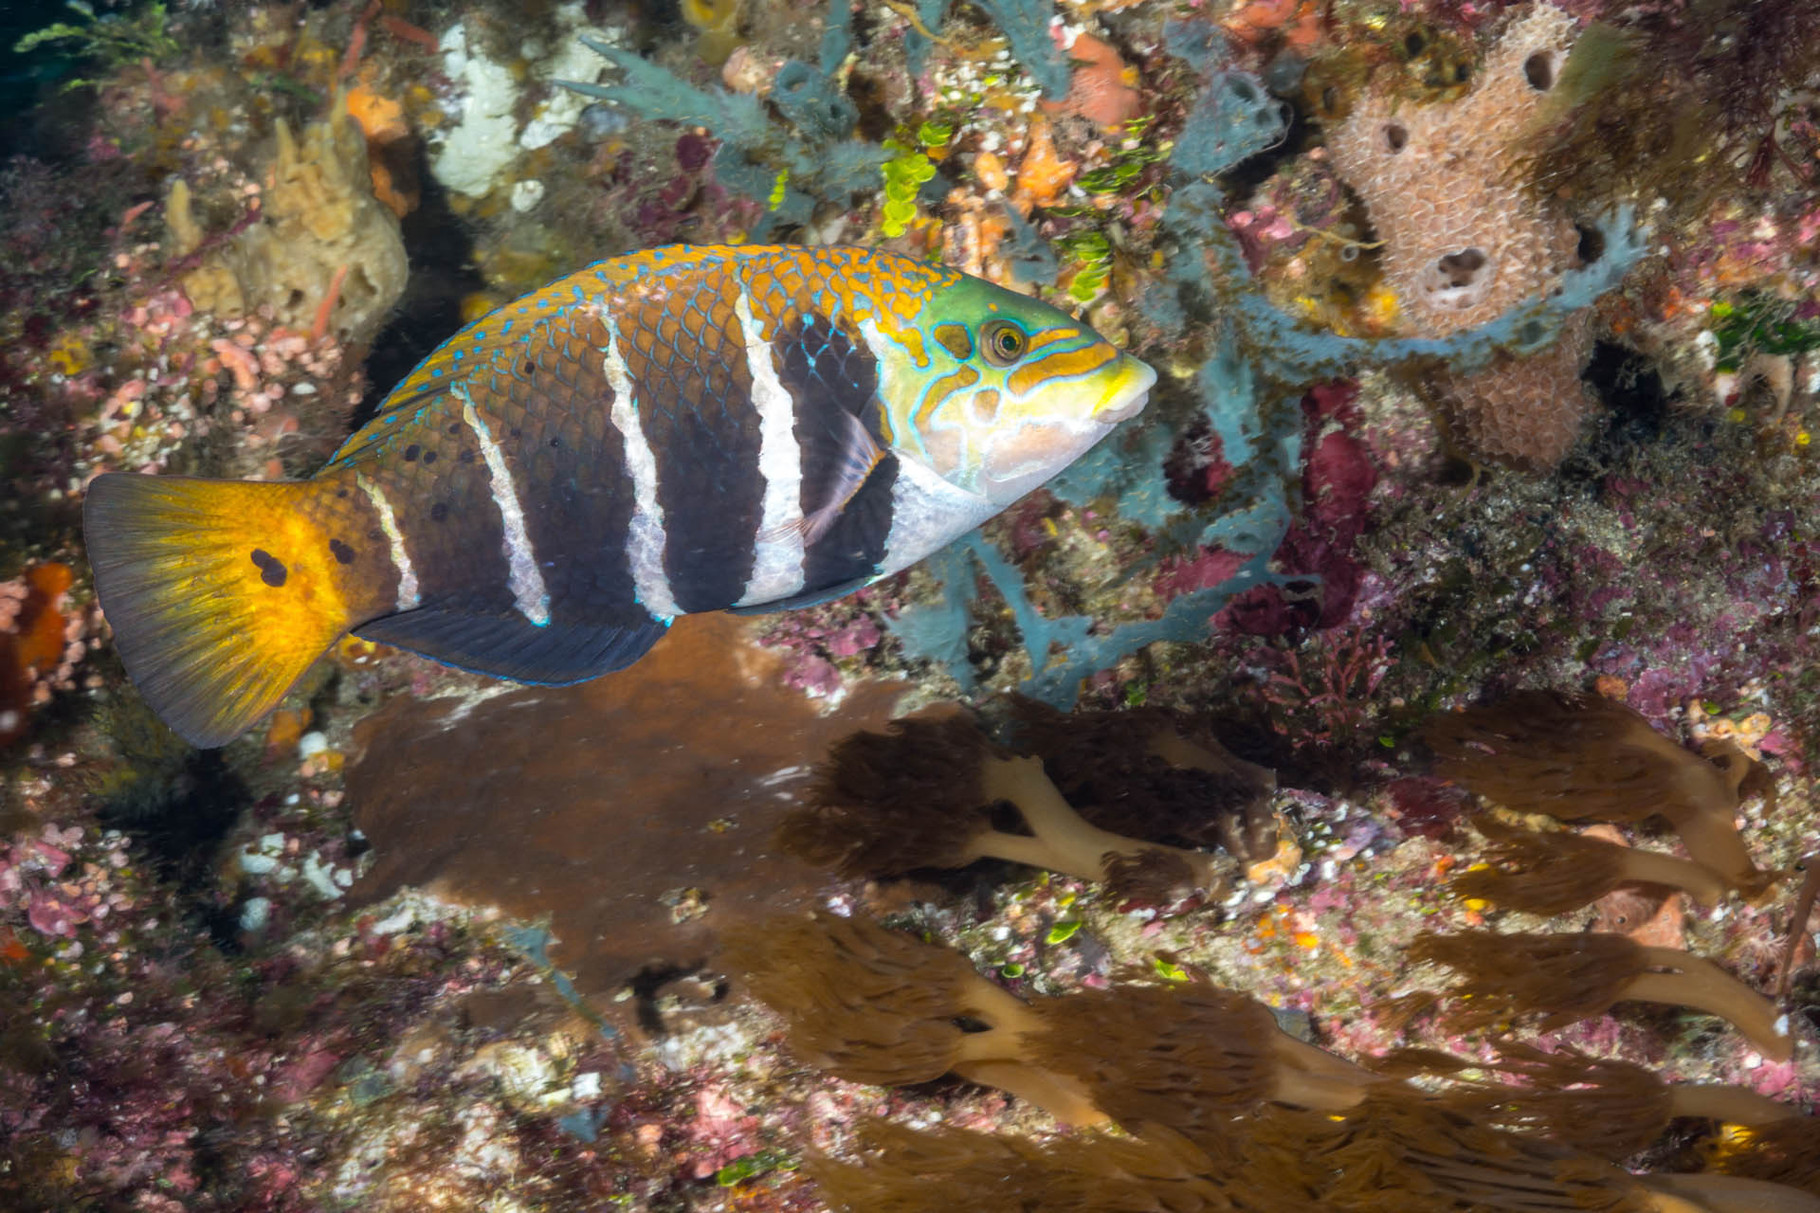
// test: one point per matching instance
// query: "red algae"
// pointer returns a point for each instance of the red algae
(36, 646)
(1103, 90)
(634, 811)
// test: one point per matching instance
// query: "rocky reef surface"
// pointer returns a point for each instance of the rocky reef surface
(1487, 343)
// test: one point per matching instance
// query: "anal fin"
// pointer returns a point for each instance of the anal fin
(507, 645)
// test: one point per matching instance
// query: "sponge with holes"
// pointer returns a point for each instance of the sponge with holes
(1464, 241)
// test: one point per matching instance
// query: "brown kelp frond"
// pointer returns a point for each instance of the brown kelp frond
(1787, 1152)
(1073, 846)
(1747, 775)
(1602, 1106)
(1191, 1057)
(1399, 1143)
(886, 803)
(1584, 757)
(948, 1170)
(870, 1004)
(1569, 977)
(921, 795)
(1605, 1107)
(1395, 1150)
(879, 1006)
(1574, 757)
(1154, 876)
(1154, 773)
(1411, 1061)
(1265, 1122)
(1565, 977)
(1556, 872)
(1797, 922)
(900, 1170)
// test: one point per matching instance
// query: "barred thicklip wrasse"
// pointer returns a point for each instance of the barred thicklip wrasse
(683, 429)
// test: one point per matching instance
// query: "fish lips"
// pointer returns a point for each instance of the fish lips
(1129, 394)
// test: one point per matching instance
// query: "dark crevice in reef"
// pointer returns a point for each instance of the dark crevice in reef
(659, 21)
(1591, 245)
(181, 819)
(1251, 173)
(178, 810)
(441, 251)
(693, 983)
(1636, 402)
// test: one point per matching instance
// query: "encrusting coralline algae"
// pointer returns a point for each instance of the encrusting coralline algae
(1478, 478)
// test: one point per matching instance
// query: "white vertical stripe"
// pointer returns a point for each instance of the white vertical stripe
(777, 555)
(408, 597)
(522, 573)
(645, 539)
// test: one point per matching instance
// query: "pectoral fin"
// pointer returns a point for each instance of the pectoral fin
(859, 455)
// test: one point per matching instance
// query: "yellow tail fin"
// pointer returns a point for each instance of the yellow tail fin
(221, 593)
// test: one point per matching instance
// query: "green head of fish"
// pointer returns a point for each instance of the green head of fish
(996, 392)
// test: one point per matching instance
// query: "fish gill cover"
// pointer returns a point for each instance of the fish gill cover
(1478, 479)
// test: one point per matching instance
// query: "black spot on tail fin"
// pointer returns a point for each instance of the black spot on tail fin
(510, 646)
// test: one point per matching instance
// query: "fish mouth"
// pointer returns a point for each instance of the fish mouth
(1129, 394)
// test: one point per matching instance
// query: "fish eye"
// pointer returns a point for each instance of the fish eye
(1002, 342)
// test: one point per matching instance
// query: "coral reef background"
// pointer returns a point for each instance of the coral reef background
(1487, 340)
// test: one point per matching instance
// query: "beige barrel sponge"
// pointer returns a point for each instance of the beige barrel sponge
(321, 238)
(1464, 240)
